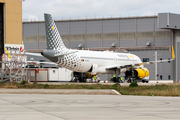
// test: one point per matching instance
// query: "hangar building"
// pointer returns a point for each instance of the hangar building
(12, 57)
(138, 35)
(10, 23)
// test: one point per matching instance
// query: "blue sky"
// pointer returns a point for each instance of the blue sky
(66, 9)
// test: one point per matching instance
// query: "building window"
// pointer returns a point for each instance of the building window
(161, 59)
(145, 59)
(169, 77)
(161, 77)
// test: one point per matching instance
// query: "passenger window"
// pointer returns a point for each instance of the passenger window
(161, 77)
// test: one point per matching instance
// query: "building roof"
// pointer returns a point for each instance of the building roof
(94, 19)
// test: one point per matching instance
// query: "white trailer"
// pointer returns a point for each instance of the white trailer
(60, 75)
(50, 75)
(38, 75)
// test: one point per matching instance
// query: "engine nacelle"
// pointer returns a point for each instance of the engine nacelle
(141, 72)
(94, 69)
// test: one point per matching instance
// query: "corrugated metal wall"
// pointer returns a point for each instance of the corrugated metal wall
(178, 55)
(134, 32)
(168, 21)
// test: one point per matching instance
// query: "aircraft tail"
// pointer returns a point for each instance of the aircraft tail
(54, 41)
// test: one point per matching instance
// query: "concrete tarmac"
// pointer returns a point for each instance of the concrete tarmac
(87, 107)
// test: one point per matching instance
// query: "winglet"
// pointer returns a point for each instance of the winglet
(173, 56)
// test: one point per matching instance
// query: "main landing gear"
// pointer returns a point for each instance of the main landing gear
(116, 78)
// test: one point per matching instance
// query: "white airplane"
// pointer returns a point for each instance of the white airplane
(92, 62)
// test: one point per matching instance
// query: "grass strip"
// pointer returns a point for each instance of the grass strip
(157, 90)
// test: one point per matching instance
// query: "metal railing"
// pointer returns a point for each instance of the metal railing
(14, 69)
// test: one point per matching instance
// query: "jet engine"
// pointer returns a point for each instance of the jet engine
(94, 69)
(141, 72)
(137, 73)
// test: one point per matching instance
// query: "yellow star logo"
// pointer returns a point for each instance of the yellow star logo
(53, 27)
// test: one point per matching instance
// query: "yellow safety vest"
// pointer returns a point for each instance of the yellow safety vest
(113, 76)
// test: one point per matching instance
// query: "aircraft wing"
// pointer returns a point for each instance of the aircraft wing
(139, 64)
(56, 55)
(152, 62)
(118, 66)
(136, 64)
(37, 62)
(34, 54)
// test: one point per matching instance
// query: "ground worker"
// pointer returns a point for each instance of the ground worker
(113, 78)
(95, 78)
(71, 76)
(121, 79)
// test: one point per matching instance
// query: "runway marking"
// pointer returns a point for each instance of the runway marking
(116, 92)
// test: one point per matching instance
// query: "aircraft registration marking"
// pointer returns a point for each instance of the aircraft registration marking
(84, 60)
